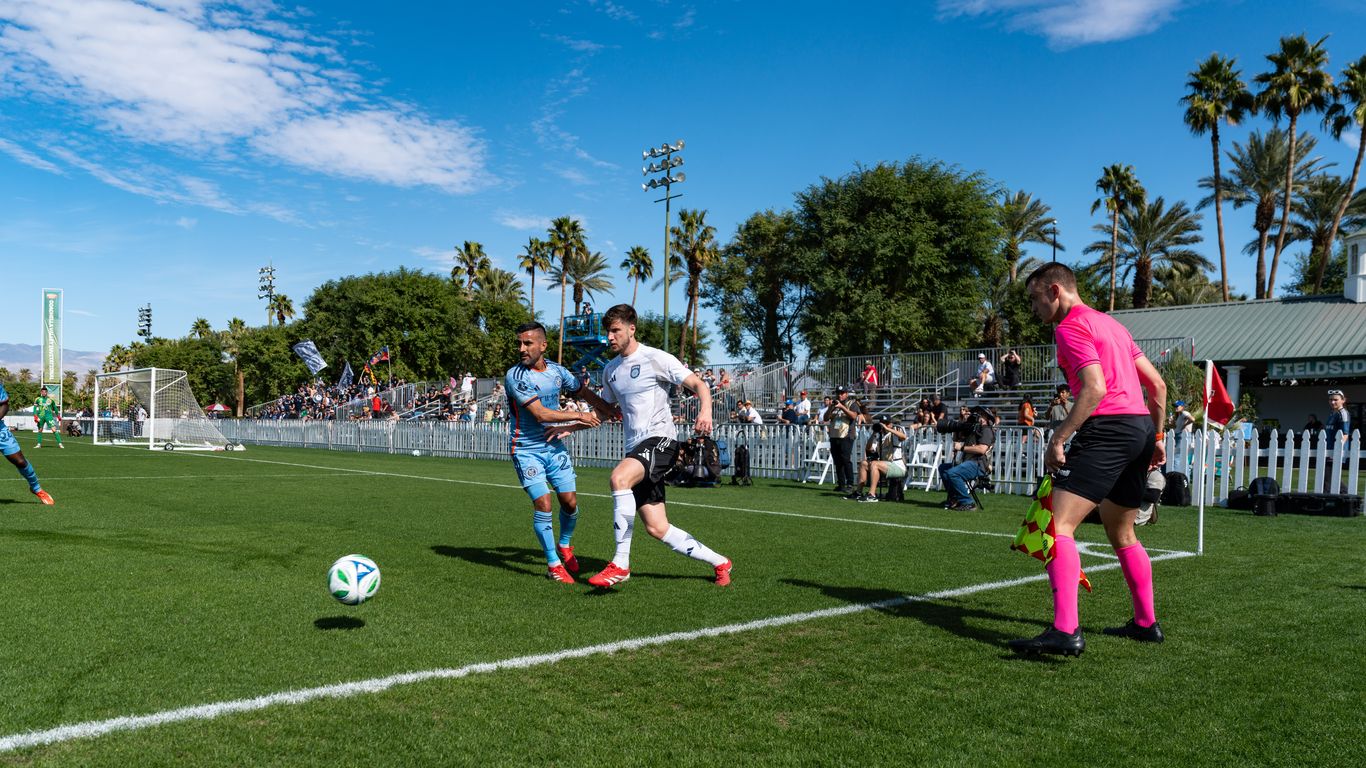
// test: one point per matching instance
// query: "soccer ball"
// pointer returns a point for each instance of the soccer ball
(417, 453)
(353, 579)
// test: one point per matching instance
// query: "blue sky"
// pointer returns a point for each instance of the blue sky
(162, 151)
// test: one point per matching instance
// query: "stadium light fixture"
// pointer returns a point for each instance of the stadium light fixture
(668, 159)
(267, 288)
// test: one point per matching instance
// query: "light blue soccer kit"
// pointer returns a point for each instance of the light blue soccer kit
(541, 463)
(10, 446)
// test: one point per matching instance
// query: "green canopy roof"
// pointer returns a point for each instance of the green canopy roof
(1271, 329)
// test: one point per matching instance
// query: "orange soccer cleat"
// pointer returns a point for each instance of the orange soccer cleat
(558, 573)
(571, 563)
(44, 497)
(723, 573)
(610, 576)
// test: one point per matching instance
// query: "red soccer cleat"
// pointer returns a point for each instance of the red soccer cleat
(44, 497)
(558, 573)
(723, 574)
(610, 576)
(571, 563)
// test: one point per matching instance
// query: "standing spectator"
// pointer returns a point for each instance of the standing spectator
(1026, 414)
(804, 409)
(1057, 412)
(1339, 420)
(1010, 371)
(985, 375)
(1183, 424)
(841, 418)
(724, 381)
(869, 380)
(467, 387)
(1313, 425)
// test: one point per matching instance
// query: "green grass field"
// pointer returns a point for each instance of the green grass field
(162, 581)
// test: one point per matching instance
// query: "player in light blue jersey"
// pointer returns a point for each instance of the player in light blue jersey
(533, 389)
(10, 448)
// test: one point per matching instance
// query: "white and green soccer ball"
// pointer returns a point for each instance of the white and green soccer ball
(353, 579)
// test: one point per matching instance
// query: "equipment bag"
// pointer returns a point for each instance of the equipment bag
(1178, 490)
(740, 469)
(1264, 486)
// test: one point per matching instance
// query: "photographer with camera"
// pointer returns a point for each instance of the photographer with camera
(844, 414)
(882, 457)
(978, 436)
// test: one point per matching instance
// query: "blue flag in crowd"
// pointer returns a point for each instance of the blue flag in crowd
(308, 352)
(347, 375)
(380, 356)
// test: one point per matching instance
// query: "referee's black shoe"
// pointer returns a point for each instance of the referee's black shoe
(1133, 631)
(1053, 640)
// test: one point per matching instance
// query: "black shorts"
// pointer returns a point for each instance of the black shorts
(658, 455)
(1108, 459)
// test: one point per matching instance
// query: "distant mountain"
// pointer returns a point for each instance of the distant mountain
(17, 356)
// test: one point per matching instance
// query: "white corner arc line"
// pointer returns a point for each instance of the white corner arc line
(94, 728)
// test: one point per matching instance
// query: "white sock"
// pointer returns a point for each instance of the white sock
(683, 543)
(623, 524)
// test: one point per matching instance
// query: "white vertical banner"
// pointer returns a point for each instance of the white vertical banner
(52, 344)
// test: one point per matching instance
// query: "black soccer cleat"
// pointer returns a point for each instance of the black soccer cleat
(1133, 631)
(1052, 640)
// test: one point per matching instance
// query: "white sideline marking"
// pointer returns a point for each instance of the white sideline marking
(883, 523)
(95, 728)
(194, 477)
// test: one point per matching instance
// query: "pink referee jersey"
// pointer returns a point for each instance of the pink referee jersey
(1089, 337)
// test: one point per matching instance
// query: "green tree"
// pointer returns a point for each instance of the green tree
(201, 359)
(753, 286)
(567, 240)
(117, 359)
(1297, 83)
(1320, 205)
(1257, 170)
(639, 266)
(1217, 95)
(1120, 191)
(695, 242)
(232, 340)
(650, 331)
(896, 255)
(587, 274)
(283, 307)
(535, 258)
(1348, 111)
(1024, 220)
(200, 328)
(1149, 235)
(470, 260)
(1177, 285)
(498, 285)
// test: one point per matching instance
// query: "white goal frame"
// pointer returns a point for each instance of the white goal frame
(174, 421)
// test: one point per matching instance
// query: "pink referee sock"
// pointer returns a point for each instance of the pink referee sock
(1064, 573)
(1138, 572)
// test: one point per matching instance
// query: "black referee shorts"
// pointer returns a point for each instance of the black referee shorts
(1108, 459)
(658, 454)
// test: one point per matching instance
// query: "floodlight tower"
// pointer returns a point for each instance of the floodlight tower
(665, 154)
(267, 288)
(145, 322)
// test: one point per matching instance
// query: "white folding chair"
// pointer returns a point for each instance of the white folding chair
(822, 460)
(926, 456)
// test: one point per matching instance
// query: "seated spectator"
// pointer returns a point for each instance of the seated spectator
(788, 414)
(882, 457)
(978, 437)
(751, 414)
(923, 416)
(803, 409)
(1313, 425)
(723, 380)
(825, 409)
(1010, 371)
(986, 375)
(938, 411)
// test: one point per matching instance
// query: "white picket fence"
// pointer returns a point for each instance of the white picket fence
(1298, 462)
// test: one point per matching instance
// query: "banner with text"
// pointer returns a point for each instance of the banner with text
(52, 342)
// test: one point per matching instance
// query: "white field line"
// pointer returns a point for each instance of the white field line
(193, 477)
(95, 728)
(882, 523)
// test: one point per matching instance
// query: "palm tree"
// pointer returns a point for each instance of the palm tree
(1317, 210)
(1152, 235)
(638, 266)
(535, 256)
(1178, 285)
(695, 241)
(232, 345)
(200, 328)
(567, 241)
(1348, 111)
(1024, 220)
(1297, 84)
(25, 375)
(469, 260)
(1256, 173)
(498, 285)
(1120, 190)
(586, 274)
(282, 306)
(1217, 94)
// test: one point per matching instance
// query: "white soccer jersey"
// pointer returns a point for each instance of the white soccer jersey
(640, 383)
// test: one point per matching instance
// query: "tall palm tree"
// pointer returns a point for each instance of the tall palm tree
(116, 359)
(1024, 220)
(469, 260)
(535, 256)
(1317, 207)
(200, 328)
(1152, 235)
(1178, 285)
(586, 274)
(638, 266)
(282, 306)
(1297, 83)
(1119, 190)
(25, 375)
(1217, 95)
(567, 241)
(1257, 170)
(232, 345)
(695, 241)
(498, 285)
(1348, 111)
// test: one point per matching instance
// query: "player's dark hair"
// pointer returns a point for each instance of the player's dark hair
(623, 312)
(531, 326)
(1054, 272)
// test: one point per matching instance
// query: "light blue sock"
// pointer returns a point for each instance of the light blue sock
(31, 477)
(568, 519)
(545, 533)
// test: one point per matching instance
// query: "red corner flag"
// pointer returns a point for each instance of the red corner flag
(1218, 406)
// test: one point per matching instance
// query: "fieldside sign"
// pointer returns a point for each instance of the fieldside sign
(52, 343)
(1330, 368)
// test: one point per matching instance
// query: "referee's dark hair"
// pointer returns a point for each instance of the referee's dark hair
(623, 312)
(531, 326)
(1054, 272)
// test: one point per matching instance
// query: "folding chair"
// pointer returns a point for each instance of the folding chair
(926, 456)
(820, 458)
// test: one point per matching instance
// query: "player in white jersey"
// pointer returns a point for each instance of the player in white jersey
(638, 381)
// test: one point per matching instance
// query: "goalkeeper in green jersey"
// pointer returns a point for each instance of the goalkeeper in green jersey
(46, 414)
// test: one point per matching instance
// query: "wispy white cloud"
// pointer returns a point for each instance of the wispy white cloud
(81, 312)
(522, 221)
(435, 255)
(1070, 23)
(688, 19)
(223, 81)
(613, 10)
(185, 222)
(572, 175)
(26, 157)
(580, 46)
(1351, 137)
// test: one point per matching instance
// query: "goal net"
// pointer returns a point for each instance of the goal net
(153, 407)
